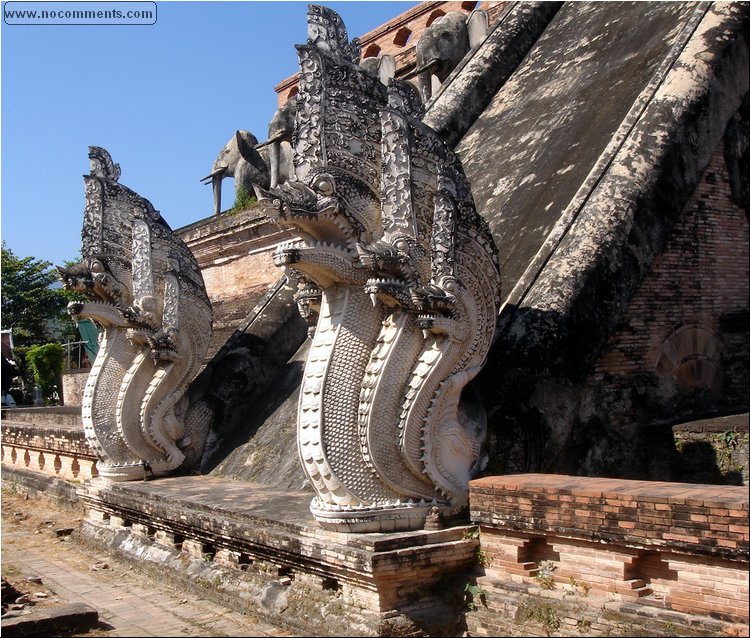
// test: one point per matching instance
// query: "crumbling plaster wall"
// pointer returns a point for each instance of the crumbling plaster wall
(545, 130)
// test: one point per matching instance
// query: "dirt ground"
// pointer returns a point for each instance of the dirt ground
(35, 525)
(40, 557)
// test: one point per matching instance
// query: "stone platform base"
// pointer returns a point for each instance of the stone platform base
(258, 550)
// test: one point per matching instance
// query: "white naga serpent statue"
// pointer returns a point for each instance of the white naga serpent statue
(403, 275)
(145, 292)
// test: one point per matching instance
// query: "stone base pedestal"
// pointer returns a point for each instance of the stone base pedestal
(255, 548)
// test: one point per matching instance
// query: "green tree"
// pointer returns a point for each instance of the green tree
(46, 363)
(29, 303)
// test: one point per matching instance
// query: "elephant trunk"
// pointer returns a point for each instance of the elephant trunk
(215, 179)
(217, 192)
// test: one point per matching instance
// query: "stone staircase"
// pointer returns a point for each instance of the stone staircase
(231, 315)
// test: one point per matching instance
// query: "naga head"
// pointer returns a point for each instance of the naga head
(102, 282)
(334, 202)
(329, 214)
(395, 270)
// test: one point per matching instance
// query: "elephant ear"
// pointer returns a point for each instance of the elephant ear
(246, 144)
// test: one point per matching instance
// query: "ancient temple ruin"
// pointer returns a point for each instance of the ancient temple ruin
(490, 301)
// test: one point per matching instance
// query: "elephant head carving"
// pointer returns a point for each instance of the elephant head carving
(443, 45)
(383, 67)
(239, 159)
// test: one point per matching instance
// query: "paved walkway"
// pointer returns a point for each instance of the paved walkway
(128, 602)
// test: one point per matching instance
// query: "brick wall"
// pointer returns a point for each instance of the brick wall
(678, 353)
(234, 251)
(700, 519)
(69, 441)
(398, 37)
(676, 546)
(684, 326)
(61, 451)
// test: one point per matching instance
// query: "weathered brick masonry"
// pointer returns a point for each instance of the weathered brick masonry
(669, 546)
(234, 252)
(678, 354)
(684, 334)
(53, 443)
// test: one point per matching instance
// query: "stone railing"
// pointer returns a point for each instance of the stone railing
(48, 440)
(640, 548)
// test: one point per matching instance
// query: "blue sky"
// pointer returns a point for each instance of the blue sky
(162, 99)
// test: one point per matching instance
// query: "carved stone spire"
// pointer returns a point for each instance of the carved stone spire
(146, 293)
(102, 164)
(326, 31)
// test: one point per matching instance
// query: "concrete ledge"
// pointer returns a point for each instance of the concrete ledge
(52, 622)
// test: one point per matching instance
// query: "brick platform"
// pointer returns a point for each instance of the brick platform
(252, 543)
(676, 546)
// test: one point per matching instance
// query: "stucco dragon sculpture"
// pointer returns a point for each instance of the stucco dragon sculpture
(146, 294)
(403, 276)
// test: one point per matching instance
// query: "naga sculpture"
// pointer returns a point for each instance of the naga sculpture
(403, 276)
(147, 296)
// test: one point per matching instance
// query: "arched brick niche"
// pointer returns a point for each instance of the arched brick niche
(371, 51)
(691, 355)
(434, 16)
(402, 37)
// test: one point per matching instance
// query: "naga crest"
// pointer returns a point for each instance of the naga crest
(146, 294)
(402, 274)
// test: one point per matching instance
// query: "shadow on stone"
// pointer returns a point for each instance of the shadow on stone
(53, 622)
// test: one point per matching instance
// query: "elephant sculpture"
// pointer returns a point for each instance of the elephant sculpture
(279, 142)
(239, 159)
(442, 47)
(383, 67)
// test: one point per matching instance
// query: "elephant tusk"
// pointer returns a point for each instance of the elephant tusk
(266, 143)
(209, 178)
(412, 74)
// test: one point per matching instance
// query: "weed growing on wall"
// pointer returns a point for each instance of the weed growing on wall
(472, 594)
(545, 576)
